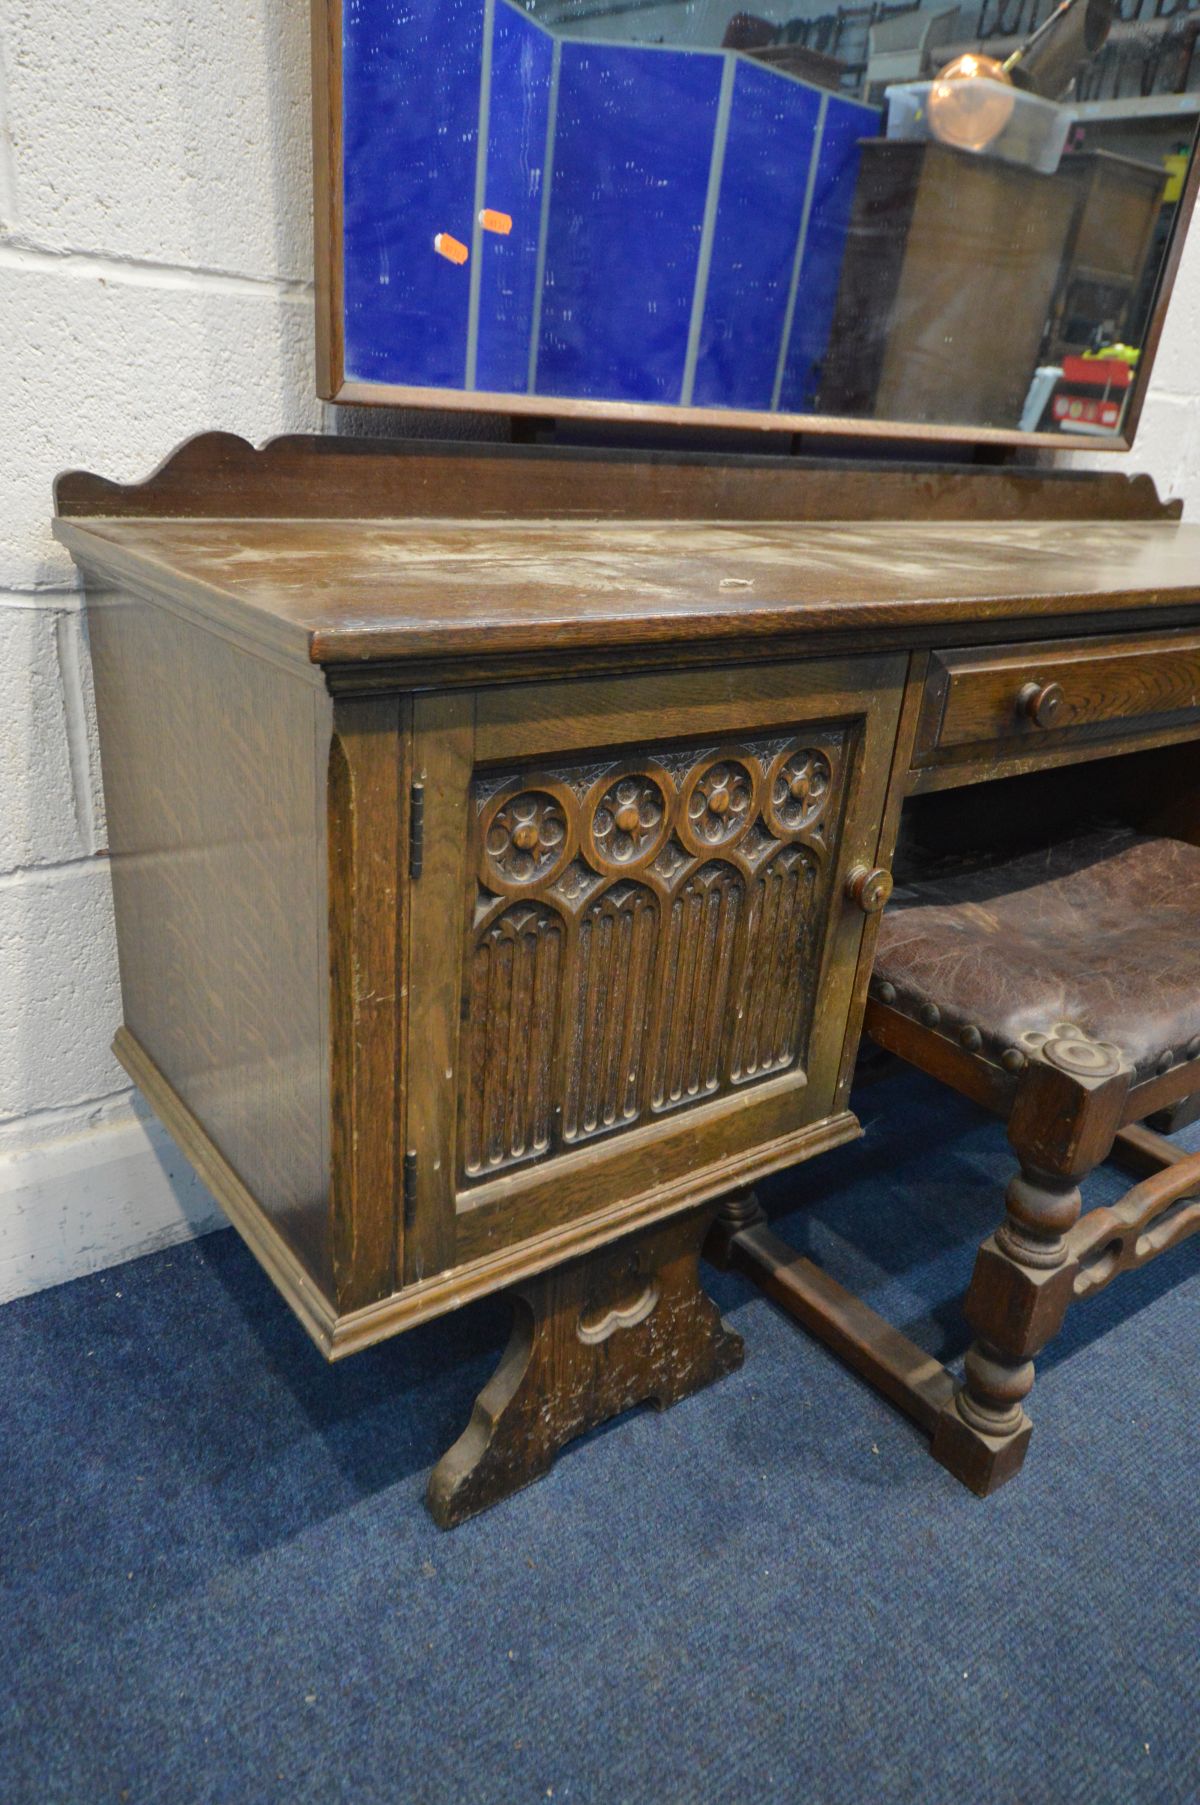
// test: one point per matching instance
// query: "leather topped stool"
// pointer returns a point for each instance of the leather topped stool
(1061, 989)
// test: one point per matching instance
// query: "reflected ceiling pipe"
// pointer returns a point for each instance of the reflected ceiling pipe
(972, 99)
(1048, 62)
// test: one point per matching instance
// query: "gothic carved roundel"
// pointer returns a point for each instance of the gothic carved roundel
(527, 837)
(798, 790)
(628, 815)
(717, 803)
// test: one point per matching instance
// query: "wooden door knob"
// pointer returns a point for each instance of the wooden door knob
(869, 889)
(1040, 703)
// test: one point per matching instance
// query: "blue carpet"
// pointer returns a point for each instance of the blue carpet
(219, 1582)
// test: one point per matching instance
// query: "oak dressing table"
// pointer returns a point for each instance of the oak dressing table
(498, 835)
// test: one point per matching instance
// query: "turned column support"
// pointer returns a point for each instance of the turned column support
(1068, 1108)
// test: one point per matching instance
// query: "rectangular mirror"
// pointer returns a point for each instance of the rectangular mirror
(940, 221)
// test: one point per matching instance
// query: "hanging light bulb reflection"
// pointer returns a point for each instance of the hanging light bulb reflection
(973, 98)
(971, 102)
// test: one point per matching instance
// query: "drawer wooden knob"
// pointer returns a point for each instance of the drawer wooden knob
(1040, 703)
(869, 889)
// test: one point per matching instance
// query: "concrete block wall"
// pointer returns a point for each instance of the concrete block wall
(154, 281)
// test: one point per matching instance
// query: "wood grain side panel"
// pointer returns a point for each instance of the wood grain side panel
(368, 828)
(274, 1254)
(214, 768)
(443, 756)
(1118, 205)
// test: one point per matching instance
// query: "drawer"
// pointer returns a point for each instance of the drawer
(1013, 697)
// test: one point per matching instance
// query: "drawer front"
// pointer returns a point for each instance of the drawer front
(632, 915)
(1017, 696)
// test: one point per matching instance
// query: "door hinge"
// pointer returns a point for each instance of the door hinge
(410, 1188)
(416, 829)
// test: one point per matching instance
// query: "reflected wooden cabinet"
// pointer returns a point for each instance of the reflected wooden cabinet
(1108, 251)
(951, 267)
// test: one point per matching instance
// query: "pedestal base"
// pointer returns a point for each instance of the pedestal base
(627, 1325)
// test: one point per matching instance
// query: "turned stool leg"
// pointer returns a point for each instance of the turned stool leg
(1066, 1114)
(1019, 1294)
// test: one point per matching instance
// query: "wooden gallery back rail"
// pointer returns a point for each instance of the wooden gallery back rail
(498, 840)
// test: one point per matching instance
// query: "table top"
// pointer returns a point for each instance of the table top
(338, 591)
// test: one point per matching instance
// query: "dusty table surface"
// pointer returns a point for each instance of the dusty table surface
(345, 590)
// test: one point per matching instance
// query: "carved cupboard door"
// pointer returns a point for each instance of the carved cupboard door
(633, 958)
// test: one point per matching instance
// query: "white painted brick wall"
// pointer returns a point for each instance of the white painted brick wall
(1168, 441)
(43, 818)
(169, 134)
(155, 253)
(154, 281)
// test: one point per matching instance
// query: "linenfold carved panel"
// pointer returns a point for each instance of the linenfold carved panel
(647, 934)
(609, 1013)
(515, 977)
(697, 961)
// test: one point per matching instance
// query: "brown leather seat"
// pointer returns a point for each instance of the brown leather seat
(1102, 932)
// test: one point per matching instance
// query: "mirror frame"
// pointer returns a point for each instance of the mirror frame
(333, 385)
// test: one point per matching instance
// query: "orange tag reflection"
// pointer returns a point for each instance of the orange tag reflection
(451, 248)
(491, 221)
